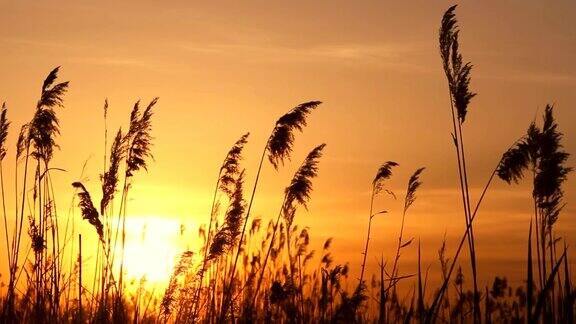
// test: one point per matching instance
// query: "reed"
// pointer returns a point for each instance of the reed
(279, 147)
(297, 193)
(540, 152)
(413, 184)
(458, 77)
(383, 173)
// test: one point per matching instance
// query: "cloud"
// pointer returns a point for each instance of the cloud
(532, 77)
(374, 54)
(122, 62)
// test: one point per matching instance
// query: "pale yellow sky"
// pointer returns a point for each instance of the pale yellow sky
(224, 68)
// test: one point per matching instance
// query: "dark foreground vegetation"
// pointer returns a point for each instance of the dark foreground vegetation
(251, 271)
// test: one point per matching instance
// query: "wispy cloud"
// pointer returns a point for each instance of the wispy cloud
(123, 62)
(373, 54)
(532, 77)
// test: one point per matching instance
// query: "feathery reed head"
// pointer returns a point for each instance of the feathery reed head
(301, 185)
(138, 138)
(282, 138)
(231, 166)
(523, 154)
(540, 149)
(105, 108)
(384, 173)
(448, 27)
(110, 177)
(89, 213)
(227, 235)
(551, 169)
(461, 92)
(4, 124)
(532, 142)
(23, 141)
(457, 72)
(43, 128)
(413, 184)
(52, 95)
(44, 125)
(512, 164)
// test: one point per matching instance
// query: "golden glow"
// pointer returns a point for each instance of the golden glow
(153, 246)
(222, 72)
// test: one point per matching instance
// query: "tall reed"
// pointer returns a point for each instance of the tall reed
(458, 76)
(279, 147)
(383, 173)
(540, 152)
(297, 193)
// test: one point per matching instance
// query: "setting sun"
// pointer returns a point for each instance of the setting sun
(153, 247)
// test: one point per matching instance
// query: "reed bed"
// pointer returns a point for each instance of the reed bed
(251, 270)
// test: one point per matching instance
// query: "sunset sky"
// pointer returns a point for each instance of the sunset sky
(225, 68)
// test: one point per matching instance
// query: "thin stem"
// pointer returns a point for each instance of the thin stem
(4, 214)
(80, 277)
(539, 260)
(23, 202)
(397, 257)
(462, 175)
(471, 234)
(367, 237)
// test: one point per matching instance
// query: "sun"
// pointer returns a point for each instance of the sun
(153, 246)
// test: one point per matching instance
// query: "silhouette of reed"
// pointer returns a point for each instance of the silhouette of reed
(458, 76)
(383, 173)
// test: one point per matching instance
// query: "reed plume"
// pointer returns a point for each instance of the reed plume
(44, 125)
(541, 151)
(384, 173)
(138, 138)
(111, 176)
(227, 235)
(4, 125)
(230, 169)
(22, 141)
(457, 72)
(552, 169)
(513, 163)
(413, 184)
(89, 212)
(282, 139)
(298, 192)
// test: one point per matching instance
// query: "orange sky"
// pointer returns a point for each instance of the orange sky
(221, 69)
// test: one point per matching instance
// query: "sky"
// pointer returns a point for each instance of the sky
(225, 68)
